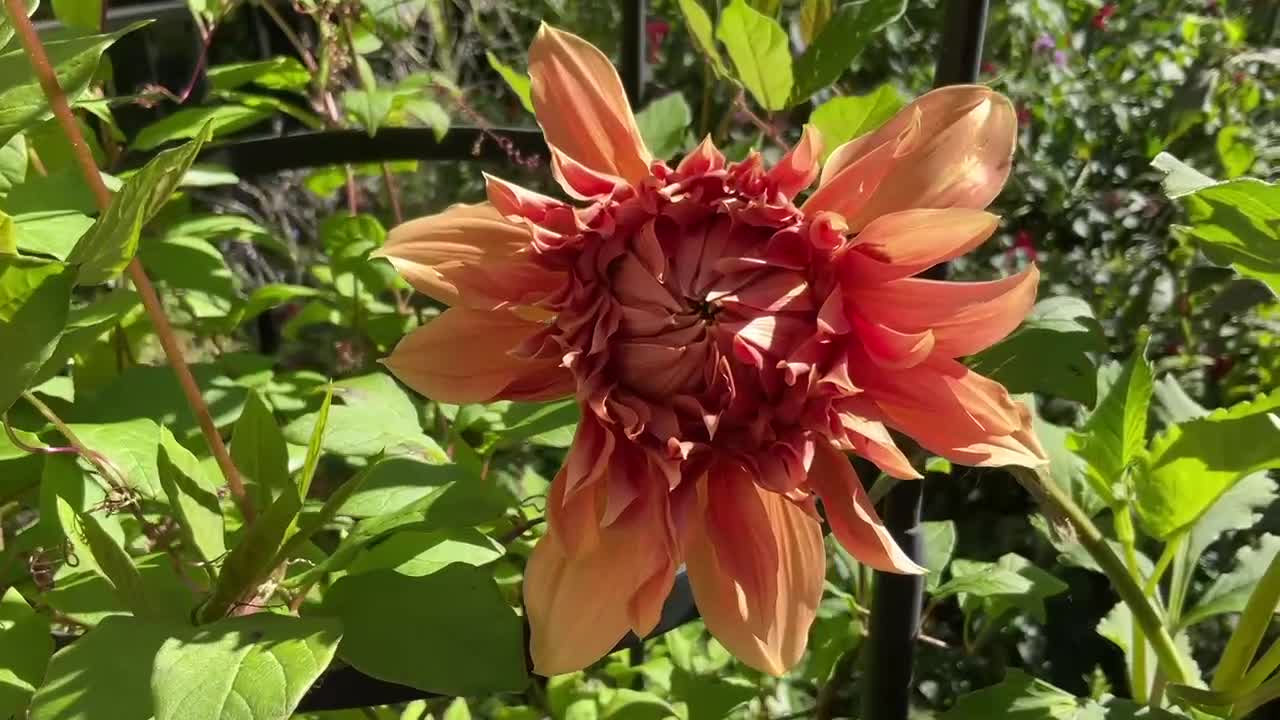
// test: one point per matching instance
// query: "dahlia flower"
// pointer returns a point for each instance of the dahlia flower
(728, 340)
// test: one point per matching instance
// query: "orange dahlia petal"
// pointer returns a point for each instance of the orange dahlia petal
(464, 356)
(582, 108)
(965, 318)
(469, 255)
(580, 605)
(774, 640)
(961, 159)
(904, 243)
(852, 517)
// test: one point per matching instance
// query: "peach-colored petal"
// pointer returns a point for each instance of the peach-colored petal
(891, 349)
(964, 318)
(964, 154)
(846, 188)
(469, 255)
(580, 606)
(774, 641)
(582, 107)
(958, 414)
(904, 243)
(852, 517)
(464, 356)
(799, 167)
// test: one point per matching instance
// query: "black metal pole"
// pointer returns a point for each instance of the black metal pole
(896, 599)
(633, 50)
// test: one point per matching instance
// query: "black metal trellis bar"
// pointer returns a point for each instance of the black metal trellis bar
(897, 599)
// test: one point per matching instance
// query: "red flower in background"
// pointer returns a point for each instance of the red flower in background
(1024, 116)
(989, 67)
(1026, 242)
(1103, 16)
(655, 32)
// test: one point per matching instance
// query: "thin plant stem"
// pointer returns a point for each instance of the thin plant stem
(308, 60)
(1262, 669)
(1138, 640)
(1145, 612)
(150, 300)
(1171, 550)
(393, 193)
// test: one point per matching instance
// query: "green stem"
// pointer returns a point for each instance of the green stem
(1171, 549)
(1145, 612)
(1244, 642)
(1138, 640)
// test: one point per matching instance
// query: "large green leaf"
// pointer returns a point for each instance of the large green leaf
(13, 164)
(193, 497)
(760, 52)
(6, 25)
(79, 14)
(1065, 467)
(1049, 353)
(1115, 434)
(86, 597)
(34, 302)
(85, 325)
(1238, 508)
(246, 668)
(217, 120)
(25, 647)
(277, 73)
(1117, 627)
(699, 25)
(846, 117)
(395, 483)
(1022, 697)
(416, 553)
(939, 546)
(448, 632)
(1011, 583)
(112, 241)
(1235, 223)
(1231, 590)
(259, 451)
(74, 60)
(194, 271)
(376, 416)
(840, 43)
(105, 674)
(86, 533)
(131, 446)
(664, 125)
(1193, 463)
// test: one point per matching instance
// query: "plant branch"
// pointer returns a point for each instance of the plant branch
(1247, 636)
(150, 300)
(1145, 613)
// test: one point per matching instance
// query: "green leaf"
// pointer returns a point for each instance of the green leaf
(271, 296)
(1022, 697)
(1117, 627)
(131, 446)
(13, 164)
(106, 673)
(300, 532)
(849, 30)
(939, 546)
(1065, 467)
(79, 14)
(74, 60)
(369, 108)
(259, 451)
(1180, 178)
(1116, 432)
(847, 117)
(814, 16)
(760, 52)
(314, 445)
(277, 73)
(1193, 463)
(1173, 404)
(711, 697)
(466, 639)
(253, 558)
(34, 302)
(1237, 223)
(416, 553)
(85, 325)
(461, 504)
(627, 704)
(1238, 508)
(546, 424)
(518, 82)
(25, 647)
(111, 559)
(376, 417)
(699, 25)
(664, 125)
(188, 123)
(1235, 152)
(86, 597)
(1231, 590)
(429, 113)
(1049, 352)
(395, 483)
(193, 270)
(193, 497)
(255, 668)
(112, 241)
(396, 17)
(981, 580)
(6, 27)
